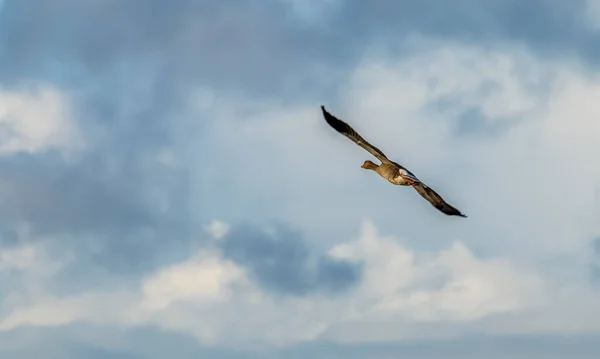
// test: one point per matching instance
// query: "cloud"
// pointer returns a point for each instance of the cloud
(471, 288)
(28, 258)
(217, 229)
(198, 110)
(405, 289)
(592, 12)
(111, 202)
(49, 311)
(100, 222)
(524, 102)
(206, 278)
(174, 40)
(148, 343)
(281, 261)
(36, 121)
(397, 283)
(537, 125)
(311, 10)
(20, 258)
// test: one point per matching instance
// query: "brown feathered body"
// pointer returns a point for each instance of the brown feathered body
(390, 170)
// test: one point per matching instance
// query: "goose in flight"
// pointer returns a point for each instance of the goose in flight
(390, 170)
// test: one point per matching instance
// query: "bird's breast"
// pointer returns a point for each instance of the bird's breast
(392, 175)
(399, 180)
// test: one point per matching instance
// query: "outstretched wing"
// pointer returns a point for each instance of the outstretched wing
(345, 129)
(436, 200)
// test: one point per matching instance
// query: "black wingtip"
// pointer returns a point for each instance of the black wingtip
(458, 214)
(335, 122)
(451, 211)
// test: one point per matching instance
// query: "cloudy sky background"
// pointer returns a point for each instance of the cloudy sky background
(169, 187)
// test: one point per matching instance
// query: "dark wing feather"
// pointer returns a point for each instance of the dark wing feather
(345, 129)
(436, 200)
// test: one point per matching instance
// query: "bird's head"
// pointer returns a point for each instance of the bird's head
(368, 165)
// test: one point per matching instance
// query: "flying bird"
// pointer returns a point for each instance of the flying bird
(390, 170)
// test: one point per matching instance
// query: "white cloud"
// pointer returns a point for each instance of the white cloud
(461, 288)
(523, 169)
(205, 278)
(32, 121)
(217, 229)
(17, 258)
(24, 271)
(213, 299)
(52, 311)
(532, 184)
(472, 288)
(525, 175)
(28, 258)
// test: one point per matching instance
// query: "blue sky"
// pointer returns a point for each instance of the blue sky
(169, 186)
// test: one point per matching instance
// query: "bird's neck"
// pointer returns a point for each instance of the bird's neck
(371, 166)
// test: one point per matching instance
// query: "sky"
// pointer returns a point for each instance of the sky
(169, 187)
